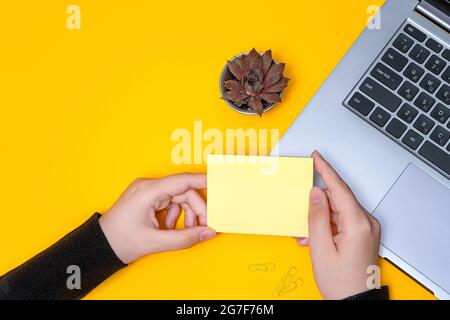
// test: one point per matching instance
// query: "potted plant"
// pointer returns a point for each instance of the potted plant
(252, 83)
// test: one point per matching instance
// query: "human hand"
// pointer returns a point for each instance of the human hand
(132, 228)
(343, 238)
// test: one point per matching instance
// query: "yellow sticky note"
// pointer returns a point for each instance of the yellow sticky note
(259, 195)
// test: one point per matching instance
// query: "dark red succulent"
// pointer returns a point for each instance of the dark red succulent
(258, 81)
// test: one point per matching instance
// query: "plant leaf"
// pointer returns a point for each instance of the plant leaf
(274, 74)
(233, 85)
(277, 87)
(243, 63)
(235, 70)
(255, 61)
(256, 105)
(270, 97)
(266, 61)
(235, 96)
(241, 103)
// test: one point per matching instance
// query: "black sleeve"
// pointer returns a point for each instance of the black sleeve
(53, 274)
(374, 294)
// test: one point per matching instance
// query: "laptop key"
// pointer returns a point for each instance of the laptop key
(440, 113)
(444, 94)
(446, 54)
(440, 136)
(446, 75)
(380, 117)
(430, 83)
(380, 94)
(396, 128)
(407, 113)
(394, 59)
(419, 53)
(403, 42)
(424, 102)
(361, 103)
(413, 72)
(408, 90)
(435, 64)
(412, 139)
(415, 33)
(434, 45)
(424, 124)
(386, 76)
(436, 155)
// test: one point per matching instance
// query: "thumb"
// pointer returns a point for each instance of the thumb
(167, 240)
(320, 233)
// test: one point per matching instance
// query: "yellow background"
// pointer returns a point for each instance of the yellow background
(84, 112)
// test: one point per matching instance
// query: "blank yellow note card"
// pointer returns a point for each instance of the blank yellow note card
(259, 195)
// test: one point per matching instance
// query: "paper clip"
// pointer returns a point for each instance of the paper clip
(261, 267)
(288, 283)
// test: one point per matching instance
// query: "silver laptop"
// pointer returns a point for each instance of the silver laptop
(382, 119)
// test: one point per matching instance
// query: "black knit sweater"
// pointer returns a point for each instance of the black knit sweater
(45, 276)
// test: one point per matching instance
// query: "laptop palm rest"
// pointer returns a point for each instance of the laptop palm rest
(415, 220)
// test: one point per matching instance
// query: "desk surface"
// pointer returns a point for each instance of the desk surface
(86, 111)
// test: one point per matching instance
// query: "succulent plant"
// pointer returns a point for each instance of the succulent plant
(258, 81)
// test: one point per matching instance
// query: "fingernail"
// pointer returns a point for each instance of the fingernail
(207, 234)
(303, 242)
(155, 221)
(316, 195)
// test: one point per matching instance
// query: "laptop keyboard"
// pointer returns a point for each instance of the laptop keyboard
(406, 95)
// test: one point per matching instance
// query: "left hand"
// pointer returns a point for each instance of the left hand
(132, 229)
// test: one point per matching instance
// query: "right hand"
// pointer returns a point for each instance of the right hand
(344, 238)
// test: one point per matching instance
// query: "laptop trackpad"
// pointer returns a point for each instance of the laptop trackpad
(415, 220)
